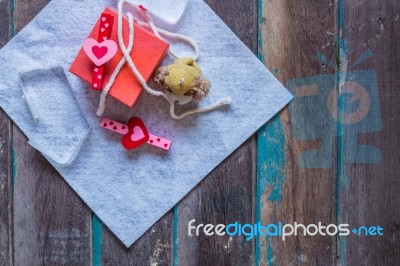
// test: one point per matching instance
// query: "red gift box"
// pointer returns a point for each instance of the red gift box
(148, 52)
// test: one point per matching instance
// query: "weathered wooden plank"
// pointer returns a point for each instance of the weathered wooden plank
(370, 147)
(226, 194)
(5, 21)
(241, 17)
(5, 190)
(153, 248)
(25, 11)
(51, 224)
(296, 155)
(5, 154)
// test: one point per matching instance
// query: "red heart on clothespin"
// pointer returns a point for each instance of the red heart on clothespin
(137, 134)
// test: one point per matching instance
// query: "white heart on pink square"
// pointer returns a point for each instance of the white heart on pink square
(137, 134)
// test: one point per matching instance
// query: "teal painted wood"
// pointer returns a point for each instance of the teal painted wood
(270, 176)
(175, 237)
(97, 238)
(297, 164)
(341, 178)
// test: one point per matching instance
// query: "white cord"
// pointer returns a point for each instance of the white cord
(216, 105)
(126, 52)
(171, 35)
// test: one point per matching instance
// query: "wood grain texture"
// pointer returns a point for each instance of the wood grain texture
(370, 188)
(153, 248)
(5, 154)
(5, 22)
(290, 188)
(241, 18)
(226, 194)
(51, 224)
(25, 11)
(5, 190)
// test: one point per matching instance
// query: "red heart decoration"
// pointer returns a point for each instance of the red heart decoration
(99, 52)
(137, 134)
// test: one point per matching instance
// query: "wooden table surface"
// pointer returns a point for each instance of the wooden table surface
(341, 60)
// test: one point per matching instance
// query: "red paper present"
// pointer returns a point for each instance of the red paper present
(148, 52)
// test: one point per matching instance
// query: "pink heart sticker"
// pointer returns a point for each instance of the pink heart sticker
(100, 53)
(137, 134)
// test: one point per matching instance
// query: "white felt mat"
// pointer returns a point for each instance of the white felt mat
(131, 190)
